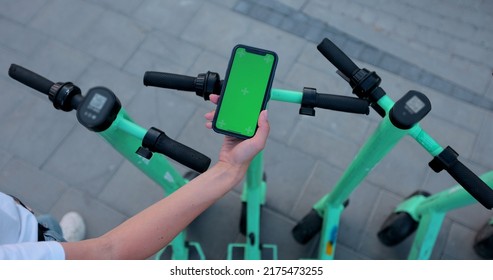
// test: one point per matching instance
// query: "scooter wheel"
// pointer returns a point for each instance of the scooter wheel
(307, 228)
(397, 227)
(483, 243)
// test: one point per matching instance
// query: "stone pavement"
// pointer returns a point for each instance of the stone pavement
(442, 48)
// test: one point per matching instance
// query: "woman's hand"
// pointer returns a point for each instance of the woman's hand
(239, 152)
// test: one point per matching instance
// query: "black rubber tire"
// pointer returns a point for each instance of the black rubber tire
(308, 227)
(483, 243)
(396, 228)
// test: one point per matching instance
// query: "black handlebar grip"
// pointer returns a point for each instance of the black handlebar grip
(182, 154)
(471, 183)
(169, 80)
(342, 103)
(30, 79)
(337, 57)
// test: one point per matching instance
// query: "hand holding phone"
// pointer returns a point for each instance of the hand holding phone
(245, 91)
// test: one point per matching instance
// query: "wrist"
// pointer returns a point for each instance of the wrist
(234, 172)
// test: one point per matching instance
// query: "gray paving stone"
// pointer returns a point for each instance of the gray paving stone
(21, 11)
(356, 215)
(84, 160)
(301, 76)
(165, 110)
(484, 148)
(171, 48)
(243, 7)
(162, 52)
(209, 61)
(108, 32)
(344, 253)
(127, 6)
(323, 178)
(58, 62)
(284, 188)
(4, 158)
(32, 186)
(276, 229)
(390, 63)
(410, 71)
(171, 16)
(409, 50)
(124, 85)
(34, 129)
(352, 48)
(20, 38)
(460, 243)
(228, 4)
(98, 217)
(323, 145)
(130, 191)
(11, 97)
(463, 216)
(7, 57)
(206, 29)
(371, 55)
(221, 219)
(66, 20)
(348, 126)
(403, 170)
(488, 93)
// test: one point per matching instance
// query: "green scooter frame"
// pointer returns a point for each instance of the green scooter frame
(425, 213)
(125, 136)
(398, 121)
(255, 186)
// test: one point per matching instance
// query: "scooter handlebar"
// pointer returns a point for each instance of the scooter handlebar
(337, 57)
(169, 80)
(181, 153)
(342, 103)
(30, 79)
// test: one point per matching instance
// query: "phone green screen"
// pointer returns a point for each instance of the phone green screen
(245, 94)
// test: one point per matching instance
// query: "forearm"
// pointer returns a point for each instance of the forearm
(144, 234)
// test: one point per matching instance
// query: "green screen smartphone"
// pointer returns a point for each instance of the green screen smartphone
(245, 91)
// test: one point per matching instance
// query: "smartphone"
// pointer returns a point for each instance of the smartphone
(245, 91)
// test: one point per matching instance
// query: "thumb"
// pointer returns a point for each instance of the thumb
(263, 129)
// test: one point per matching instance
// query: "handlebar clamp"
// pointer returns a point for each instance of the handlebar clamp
(444, 160)
(364, 83)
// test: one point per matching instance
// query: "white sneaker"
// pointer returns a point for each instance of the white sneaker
(73, 227)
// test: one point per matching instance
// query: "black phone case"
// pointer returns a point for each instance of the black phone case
(266, 96)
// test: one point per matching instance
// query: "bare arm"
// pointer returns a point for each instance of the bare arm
(146, 233)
